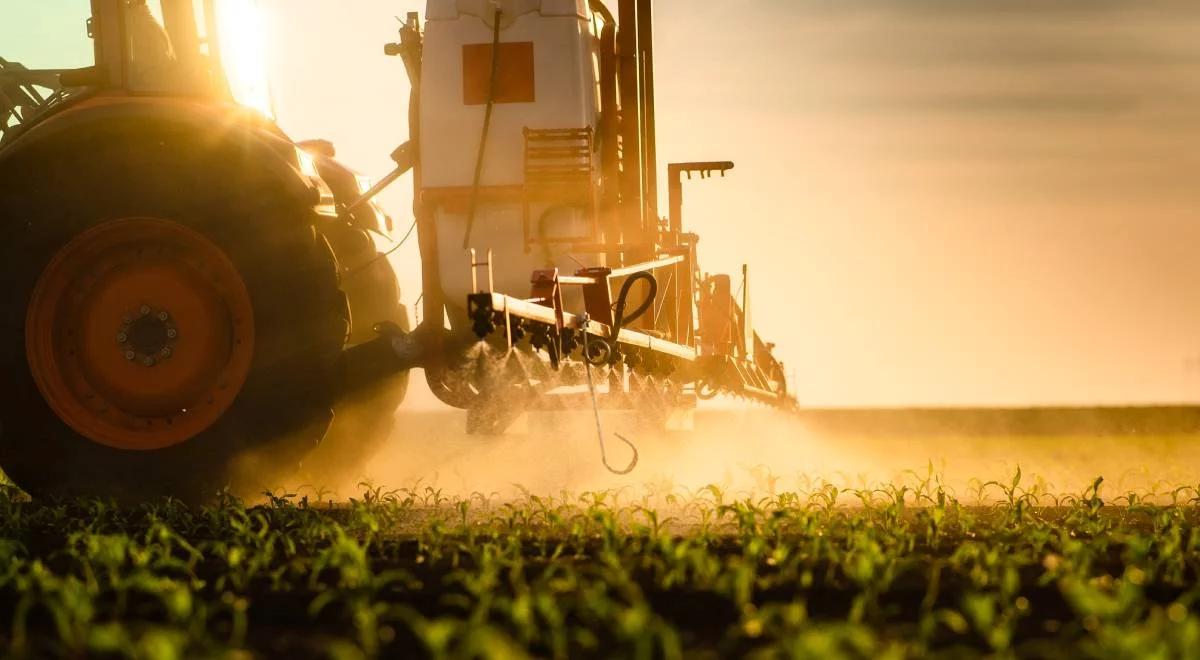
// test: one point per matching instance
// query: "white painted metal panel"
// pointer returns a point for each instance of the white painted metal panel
(565, 97)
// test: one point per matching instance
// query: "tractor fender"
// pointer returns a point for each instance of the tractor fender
(210, 124)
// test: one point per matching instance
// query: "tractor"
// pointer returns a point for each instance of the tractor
(195, 301)
(188, 302)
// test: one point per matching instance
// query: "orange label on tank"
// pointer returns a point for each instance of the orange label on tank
(514, 73)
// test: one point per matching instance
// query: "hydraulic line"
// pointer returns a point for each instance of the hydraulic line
(587, 366)
(487, 127)
(384, 255)
(620, 318)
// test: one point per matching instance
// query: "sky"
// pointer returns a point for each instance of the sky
(943, 202)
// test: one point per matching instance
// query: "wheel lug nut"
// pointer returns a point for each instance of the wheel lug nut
(145, 310)
(122, 338)
(130, 355)
(149, 362)
(166, 353)
(163, 316)
(172, 333)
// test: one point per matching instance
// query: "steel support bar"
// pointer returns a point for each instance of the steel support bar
(532, 311)
(405, 158)
(649, 265)
(585, 280)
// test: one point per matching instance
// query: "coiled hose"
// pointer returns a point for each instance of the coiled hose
(620, 318)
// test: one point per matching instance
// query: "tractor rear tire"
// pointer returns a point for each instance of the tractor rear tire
(57, 191)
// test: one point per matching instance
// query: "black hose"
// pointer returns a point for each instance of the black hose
(622, 319)
(611, 355)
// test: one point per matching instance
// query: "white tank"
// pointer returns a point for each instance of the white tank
(546, 79)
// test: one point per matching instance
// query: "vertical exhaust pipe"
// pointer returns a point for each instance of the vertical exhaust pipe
(632, 187)
(645, 37)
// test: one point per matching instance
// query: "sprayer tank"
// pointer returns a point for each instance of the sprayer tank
(545, 77)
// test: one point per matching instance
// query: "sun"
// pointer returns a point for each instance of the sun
(243, 53)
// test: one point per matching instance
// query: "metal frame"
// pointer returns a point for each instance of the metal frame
(545, 306)
(668, 343)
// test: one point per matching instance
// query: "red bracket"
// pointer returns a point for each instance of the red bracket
(597, 296)
(547, 291)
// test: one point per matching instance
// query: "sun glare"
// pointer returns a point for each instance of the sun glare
(243, 53)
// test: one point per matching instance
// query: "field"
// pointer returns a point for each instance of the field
(775, 567)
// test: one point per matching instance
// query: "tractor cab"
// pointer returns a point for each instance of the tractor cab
(194, 48)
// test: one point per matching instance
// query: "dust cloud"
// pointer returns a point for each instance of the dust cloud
(942, 203)
(750, 451)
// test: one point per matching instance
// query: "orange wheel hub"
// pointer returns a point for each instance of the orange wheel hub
(140, 333)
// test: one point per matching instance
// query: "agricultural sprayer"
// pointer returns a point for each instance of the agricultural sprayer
(192, 297)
